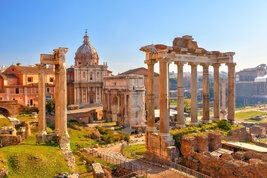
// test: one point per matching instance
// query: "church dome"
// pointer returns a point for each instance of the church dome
(86, 54)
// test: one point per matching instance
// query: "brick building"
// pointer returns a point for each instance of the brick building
(21, 83)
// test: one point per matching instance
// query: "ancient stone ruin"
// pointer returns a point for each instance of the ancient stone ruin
(124, 97)
(184, 50)
(57, 59)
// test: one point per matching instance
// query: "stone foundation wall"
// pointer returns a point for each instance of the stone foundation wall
(258, 131)
(159, 147)
(228, 165)
(239, 135)
(200, 143)
(7, 139)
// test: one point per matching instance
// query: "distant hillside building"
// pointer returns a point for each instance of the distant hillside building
(251, 86)
(21, 83)
(85, 78)
(143, 71)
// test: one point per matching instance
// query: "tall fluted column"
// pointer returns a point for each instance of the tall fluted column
(180, 95)
(41, 101)
(164, 97)
(206, 107)
(150, 96)
(216, 88)
(194, 120)
(57, 98)
(231, 92)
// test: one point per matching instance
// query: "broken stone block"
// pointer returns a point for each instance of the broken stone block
(97, 170)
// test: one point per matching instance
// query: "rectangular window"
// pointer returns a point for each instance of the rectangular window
(30, 79)
(17, 90)
(51, 79)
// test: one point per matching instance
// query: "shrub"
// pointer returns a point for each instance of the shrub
(224, 125)
(29, 110)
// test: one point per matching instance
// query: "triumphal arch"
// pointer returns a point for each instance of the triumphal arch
(183, 51)
(57, 59)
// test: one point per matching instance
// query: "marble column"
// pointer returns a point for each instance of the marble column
(180, 95)
(150, 96)
(126, 123)
(164, 97)
(41, 101)
(62, 96)
(216, 88)
(223, 95)
(57, 99)
(194, 116)
(231, 92)
(206, 107)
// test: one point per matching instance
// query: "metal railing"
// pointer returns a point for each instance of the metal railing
(187, 170)
(131, 166)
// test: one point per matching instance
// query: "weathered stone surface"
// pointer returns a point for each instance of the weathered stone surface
(7, 139)
(97, 170)
(215, 141)
(202, 143)
(258, 131)
(188, 146)
(3, 172)
(227, 166)
(240, 134)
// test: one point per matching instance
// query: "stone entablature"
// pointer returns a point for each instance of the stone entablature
(185, 51)
(124, 99)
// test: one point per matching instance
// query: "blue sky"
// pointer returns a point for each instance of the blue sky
(118, 28)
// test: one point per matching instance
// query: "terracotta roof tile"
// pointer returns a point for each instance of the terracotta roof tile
(140, 71)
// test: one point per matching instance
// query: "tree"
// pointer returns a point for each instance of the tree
(187, 105)
(50, 105)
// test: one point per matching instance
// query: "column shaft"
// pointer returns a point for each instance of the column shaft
(206, 110)
(41, 101)
(57, 99)
(216, 88)
(231, 92)
(180, 95)
(164, 97)
(194, 111)
(223, 95)
(150, 96)
(63, 100)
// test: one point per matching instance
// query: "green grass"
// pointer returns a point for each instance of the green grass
(26, 118)
(79, 139)
(4, 122)
(249, 114)
(134, 151)
(31, 160)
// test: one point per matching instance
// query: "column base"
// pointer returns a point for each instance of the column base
(161, 146)
(206, 121)
(231, 121)
(194, 123)
(41, 137)
(150, 129)
(180, 125)
(64, 141)
(214, 119)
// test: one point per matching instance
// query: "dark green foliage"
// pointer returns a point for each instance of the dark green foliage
(224, 125)
(50, 105)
